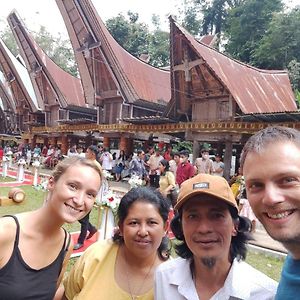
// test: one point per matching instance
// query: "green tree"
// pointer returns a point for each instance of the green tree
(191, 18)
(281, 43)
(202, 17)
(247, 24)
(136, 38)
(294, 72)
(130, 34)
(8, 38)
(159, 48)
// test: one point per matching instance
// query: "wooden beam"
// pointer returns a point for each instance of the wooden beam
(204, 127)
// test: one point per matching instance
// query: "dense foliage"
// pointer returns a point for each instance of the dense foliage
(137, 39)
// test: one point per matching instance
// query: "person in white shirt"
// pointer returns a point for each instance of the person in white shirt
(72, 151)
(212, 244)
(153, 164)
(106, 160)
(204, 164)
(218, 166)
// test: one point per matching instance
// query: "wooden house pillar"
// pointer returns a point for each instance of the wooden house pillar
(33, 142)
(123, 143)
(88, 140)
(53, 140)
(227, 159)
(64, 144)
(46, 141)
(126, 144)
(106, 142)
(196, 150)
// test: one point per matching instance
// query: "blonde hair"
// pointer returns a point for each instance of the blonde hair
(63, 165)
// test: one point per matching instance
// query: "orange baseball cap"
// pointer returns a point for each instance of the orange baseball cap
(205, 184)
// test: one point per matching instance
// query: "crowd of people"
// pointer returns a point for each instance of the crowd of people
(135, 264)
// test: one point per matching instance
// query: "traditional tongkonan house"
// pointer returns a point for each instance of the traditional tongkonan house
(216, 92)
(19, 108)
(8, 111)
(59, 94)
(122, 86)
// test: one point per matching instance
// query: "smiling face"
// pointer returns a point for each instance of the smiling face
(208, 228)
(273, 189)
(72, 196)
(142, 229)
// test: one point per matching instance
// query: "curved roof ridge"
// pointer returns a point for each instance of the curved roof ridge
(133, 77)
(253, 89)
(227, 55)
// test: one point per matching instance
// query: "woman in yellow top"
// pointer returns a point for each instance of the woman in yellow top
(167, 180)
(124, 268)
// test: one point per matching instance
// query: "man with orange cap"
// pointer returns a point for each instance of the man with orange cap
(212, 246)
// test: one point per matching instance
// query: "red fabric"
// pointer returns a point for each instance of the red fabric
(86, 244)
(28, 179)
(184, 172)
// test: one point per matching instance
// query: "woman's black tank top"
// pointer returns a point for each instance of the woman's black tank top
(20, 282)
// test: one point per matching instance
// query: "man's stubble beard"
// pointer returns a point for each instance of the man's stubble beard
(208, 262)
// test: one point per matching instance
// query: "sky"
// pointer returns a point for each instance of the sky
(45, 12)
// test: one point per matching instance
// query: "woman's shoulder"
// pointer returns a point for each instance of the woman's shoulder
(99, 250)
(8, 227)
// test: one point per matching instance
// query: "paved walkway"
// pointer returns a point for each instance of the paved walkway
(262, 239)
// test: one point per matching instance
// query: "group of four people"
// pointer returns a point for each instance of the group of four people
(211, 235)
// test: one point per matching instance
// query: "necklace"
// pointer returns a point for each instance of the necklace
(135, 296)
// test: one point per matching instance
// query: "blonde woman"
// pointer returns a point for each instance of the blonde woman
(34, 246)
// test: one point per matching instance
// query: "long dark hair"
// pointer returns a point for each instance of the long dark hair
(122, 155)
(166, 164)
(238, 247)
(149, 195)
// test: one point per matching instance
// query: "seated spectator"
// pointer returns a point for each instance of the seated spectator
(120, 165)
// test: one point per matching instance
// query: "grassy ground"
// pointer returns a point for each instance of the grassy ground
(34, 199)
(269, 265)
(7, 179)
